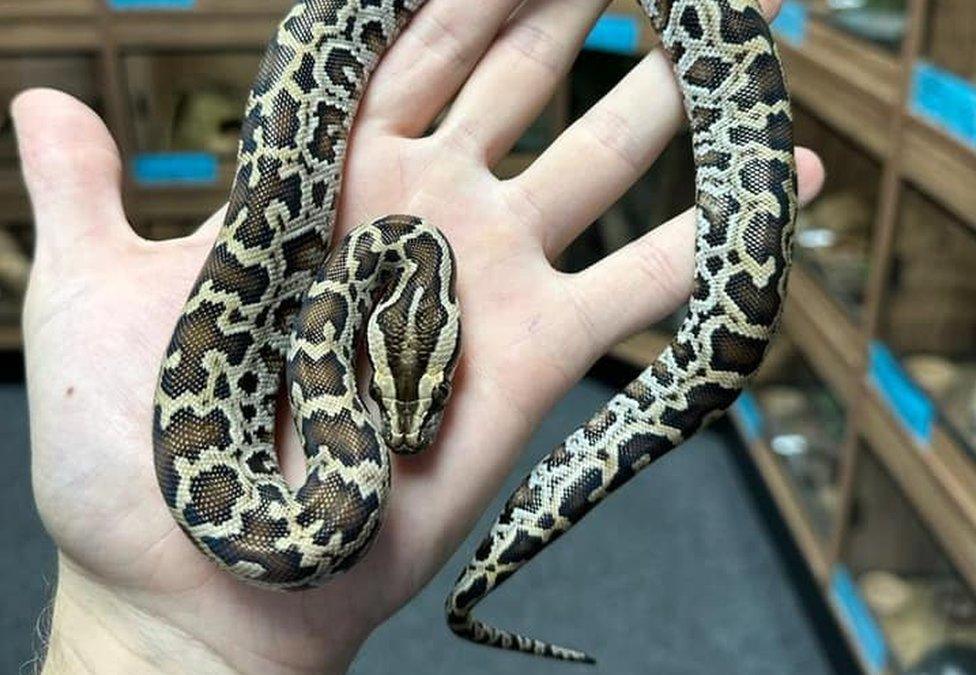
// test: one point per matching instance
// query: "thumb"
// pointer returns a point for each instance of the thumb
(72, 170)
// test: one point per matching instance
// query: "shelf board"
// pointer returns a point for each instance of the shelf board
(17, 9)
(174, 202)
(787, 501)
(139, 31)
(859, 101)
(922, 479)
(955, 469)
(942, 167)
(13, 195)
(11, 339)
(852, 640)
(641, 350)
(275, 8)
(823, 331)
(23, 36)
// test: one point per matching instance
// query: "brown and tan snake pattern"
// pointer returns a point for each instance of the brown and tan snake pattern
(274, 297)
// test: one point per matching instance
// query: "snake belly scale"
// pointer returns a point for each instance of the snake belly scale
(275, 297)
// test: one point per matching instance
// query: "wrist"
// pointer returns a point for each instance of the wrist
(94, 630)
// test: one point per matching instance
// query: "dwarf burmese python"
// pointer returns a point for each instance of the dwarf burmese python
(270, 299)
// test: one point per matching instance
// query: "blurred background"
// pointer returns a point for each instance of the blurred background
(830, 527)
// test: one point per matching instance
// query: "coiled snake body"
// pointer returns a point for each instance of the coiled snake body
(272, 298)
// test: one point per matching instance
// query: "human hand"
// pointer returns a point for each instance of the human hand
(133, 592)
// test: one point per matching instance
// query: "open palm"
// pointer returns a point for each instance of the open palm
(102, 305)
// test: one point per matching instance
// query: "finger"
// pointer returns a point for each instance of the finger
(71, 167)
(430, 61)
(519, 74)
(650, 278)
(620, 137)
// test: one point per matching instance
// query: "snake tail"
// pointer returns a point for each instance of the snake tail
(736, 99)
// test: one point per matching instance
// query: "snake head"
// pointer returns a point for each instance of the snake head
(412, 378)
(410, 425)
(413, 341)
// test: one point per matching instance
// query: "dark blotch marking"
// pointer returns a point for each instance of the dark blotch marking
(691, 22)
(347, 443)
(214, 494)
(469, 597)
(741, 27)
(709, 72)
(636, 449)
(761, 304)
(577, 501)
(318, 377)
(736, 353)
(524, 547)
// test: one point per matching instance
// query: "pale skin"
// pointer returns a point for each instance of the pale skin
(133, 594)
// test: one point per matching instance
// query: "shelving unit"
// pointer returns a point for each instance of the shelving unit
(879, 356)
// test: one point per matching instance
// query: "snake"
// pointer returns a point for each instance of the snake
(278, 315)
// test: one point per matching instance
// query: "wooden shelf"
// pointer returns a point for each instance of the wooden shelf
(10, 338)
(851, 85)
(20, 9)
(136, 31)
(824, 333)
(912, 468)
(787, 501)
(13, 195)
(21, 36)
(942, 167)
(272, 8)
(641, 350)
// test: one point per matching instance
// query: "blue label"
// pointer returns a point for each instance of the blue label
(791, 24)
(124, 5)
(910, 404)
(616, 33)
(180, 168)
(750, 415)
(859, 620)
(946, 100)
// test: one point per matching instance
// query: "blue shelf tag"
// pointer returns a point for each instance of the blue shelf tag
(176, 168)
(947, 100)
(615, 33)
(747, 408)
(159, 5)
(791, 24)
(859, 620)
(906, 399)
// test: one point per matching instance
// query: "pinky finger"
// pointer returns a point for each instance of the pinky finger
(651, 277)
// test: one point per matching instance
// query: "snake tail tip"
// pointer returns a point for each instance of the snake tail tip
(468, 628)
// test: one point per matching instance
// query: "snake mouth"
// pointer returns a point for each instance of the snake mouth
(402, 444)
(404, 431)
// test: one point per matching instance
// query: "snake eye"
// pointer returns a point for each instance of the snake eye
(375, 393)
(441, 393)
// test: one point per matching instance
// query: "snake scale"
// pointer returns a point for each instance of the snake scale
(275, 297)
